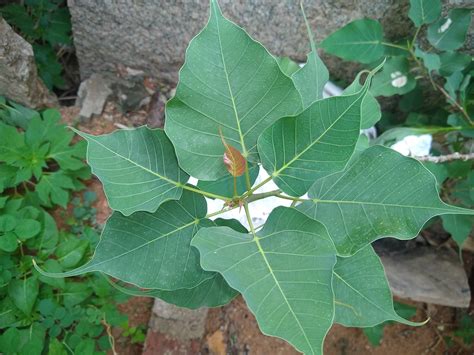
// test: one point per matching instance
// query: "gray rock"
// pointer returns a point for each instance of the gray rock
(19, 79)
(152, 36)
(179, 323)
(92, 96)
(428, 275)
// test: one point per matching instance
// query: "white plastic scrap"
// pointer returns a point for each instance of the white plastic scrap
(444, 27)
(398, 79)
(415, 146)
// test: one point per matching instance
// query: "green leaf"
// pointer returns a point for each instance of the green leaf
(395, 78)
(71, 252)
(213, 292)
(287, 66)
(53, 188)
(8, 242)
(452, 86)
(283, 272)
(225, 186)
(430, 60)
(75, 293)
(24, 293)
(380, 194)
(10, 341)
(52, 266)
(459, 227)
(370, 109)
(424, 11)
(360, 40)
(152, 250)
(231, 223)
(297, 150)
(228, 82)
(138, 168)
(361, 291)
(449, 33)
(310, 79)
(452, 62)
(27, 228)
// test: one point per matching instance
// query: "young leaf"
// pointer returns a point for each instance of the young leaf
(459, 227)
(452, 62)
(152, 250)
(310, 79)
(319, 141)
(395, 78)
(233, 160)
(362, 295)
(424, 11)
(360, 40)
(449, 33)
(381, 194)
(370, 112)
(284, 273)
(228, 81)
(138, 168)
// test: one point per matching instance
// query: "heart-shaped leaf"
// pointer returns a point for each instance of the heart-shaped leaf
(381, 194)
(138, 168)
(424, 11)
(284, 273)
(298, 150)
(213, 292)
(228, 81)
(449, 33)
(360, 40)
(362, 295)
(152, 250)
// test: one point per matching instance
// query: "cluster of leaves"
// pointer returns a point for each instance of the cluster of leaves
(46, 24)
(235, 111)
(39, 169)
(416, 68)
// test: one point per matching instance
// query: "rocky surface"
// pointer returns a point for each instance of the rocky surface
(19, 79)
(152, 36)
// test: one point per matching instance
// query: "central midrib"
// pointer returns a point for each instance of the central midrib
(262, 252)
(296, 157)
(231, 95)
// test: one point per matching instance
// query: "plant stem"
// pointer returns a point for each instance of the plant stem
(255, 197)
(256, 187)
(453, 101)
(412, 44)
(295, 199)
(247, 177)
(205, 193)
(395, 46)
(249, 218)
(446, 158)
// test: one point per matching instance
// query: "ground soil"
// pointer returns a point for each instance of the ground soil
(233, 330)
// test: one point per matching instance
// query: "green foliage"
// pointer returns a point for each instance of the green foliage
(40, 168)
(46, 24)
(296, 272)
(409, 62)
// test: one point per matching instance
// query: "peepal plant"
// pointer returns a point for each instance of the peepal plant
(235, 110)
